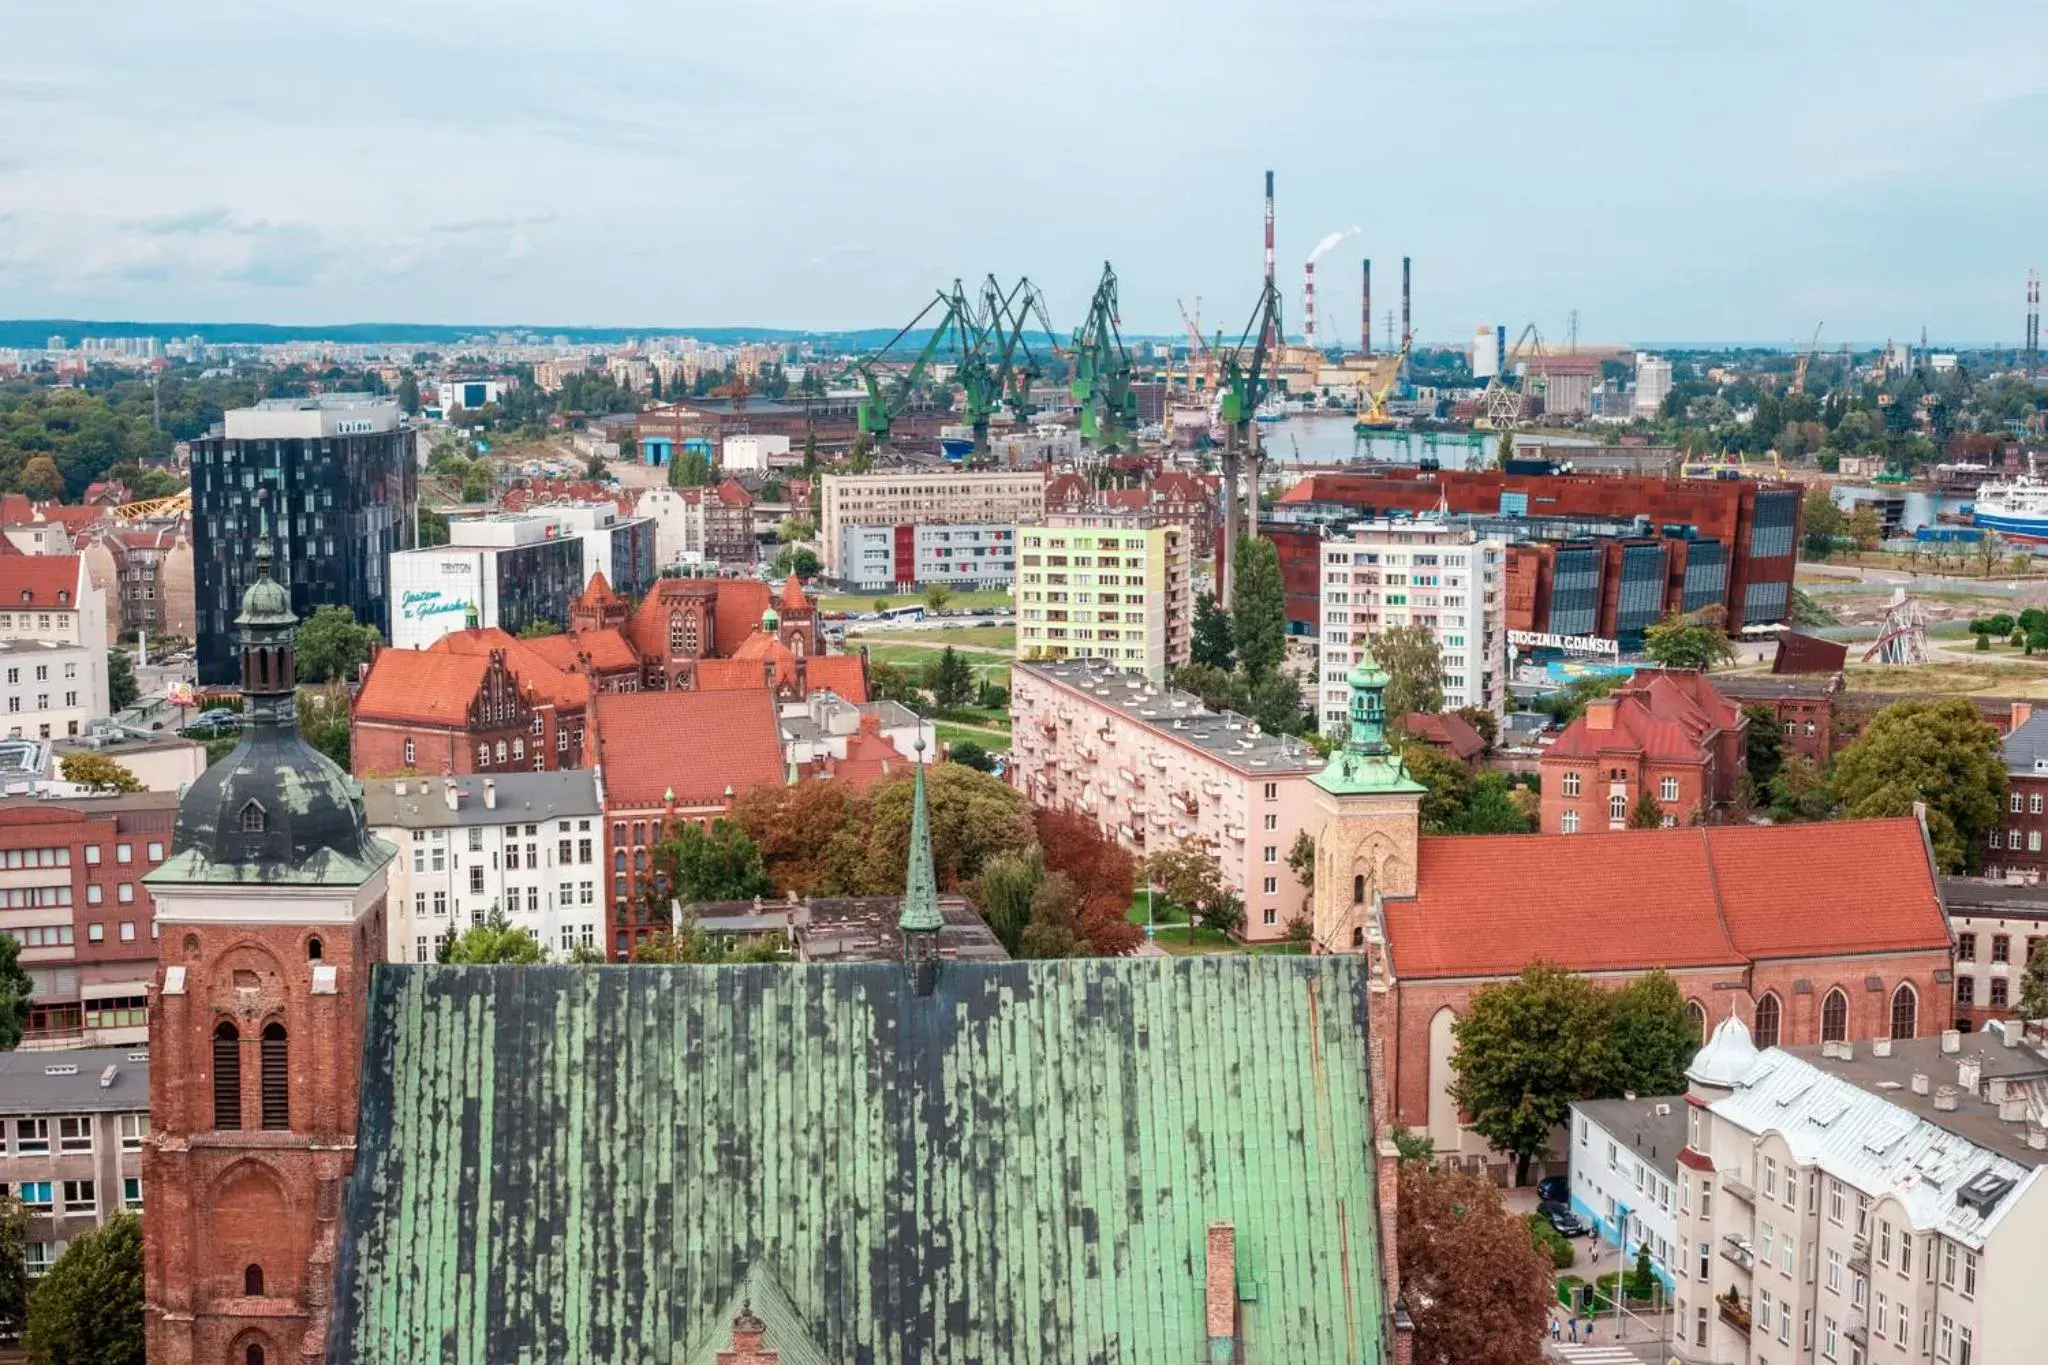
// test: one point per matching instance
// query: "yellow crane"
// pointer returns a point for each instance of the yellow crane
(177, 504)
(1799, 370)
(1372, 404)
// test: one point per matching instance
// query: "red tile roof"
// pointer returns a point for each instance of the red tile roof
(695, 744)
(534, 673)
(608, 651)
(735, 614)
(870, 757)
(1487, 906)
(793, 596)
(36, 581)
(734, 494)
(1670, 716)
(1451, 733)
(421, 687)
(838, 673)
(560, 651)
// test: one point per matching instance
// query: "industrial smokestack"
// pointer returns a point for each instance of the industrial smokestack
(2033, 322)
(1365, 312)
(1308, 304)
(1269, 227)
(1407, 318)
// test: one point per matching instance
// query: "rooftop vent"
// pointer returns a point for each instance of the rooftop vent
(107, 1076)
(1945, 1099)
(1983, 1191)
(1919, 1082)
(138, 1056)
(1951, 1041)
(60, 1069)
(1880, 1047)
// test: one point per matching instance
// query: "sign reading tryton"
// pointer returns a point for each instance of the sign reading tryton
(1570, 644)
(420, 603)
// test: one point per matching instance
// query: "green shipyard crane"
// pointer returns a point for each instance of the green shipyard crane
(888, 393)
(1244, 383)
(1102, 371)
(1019, 367)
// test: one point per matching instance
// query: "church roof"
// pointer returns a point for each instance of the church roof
(582, 1164)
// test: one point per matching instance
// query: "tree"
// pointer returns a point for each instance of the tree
(1504, 449)
(496, 941)
(1526, 1049)
(1483, 720)
(1864, 527)
(691, 944)
(1941, 753)
(720, 863)
(122, 689)
(1005, 889)
(1799, 792)
(1647, 812)
(331, 647)
(1477, 1288)
(98, 773)
(41, 480)
(1301, 861)
(1491, 808)
(1105, 872)
(1055, 927)
(88, 1309)
(1651, 1036)
(1258, 608)
(1415, 670)
(1187, 874)
(937, 595)
(1212, 646)
(1448, 783)
(2033, 1002)
(1277, 705)
(16, 988)
(969, 754)
(974, 816)
(800, 560)
(795, 528)
(1763, 753)
(691, 469)
(1688, 641)
(950, 680)
(811, 836)
(1823, 520)
(539, 630)
(13, 1269)
(323, 721)
(409, 393)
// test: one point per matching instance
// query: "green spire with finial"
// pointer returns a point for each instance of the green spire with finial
(920, 884)
(1367, 762)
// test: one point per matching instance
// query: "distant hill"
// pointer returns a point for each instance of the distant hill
(31, 333)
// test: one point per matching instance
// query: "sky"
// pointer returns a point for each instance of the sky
(1671, 169)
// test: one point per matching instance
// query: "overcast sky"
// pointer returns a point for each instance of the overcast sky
(1673, 169)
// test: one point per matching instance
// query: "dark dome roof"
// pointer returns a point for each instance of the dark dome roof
(275, 809)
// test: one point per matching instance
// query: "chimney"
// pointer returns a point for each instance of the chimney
(747, 1332)
(1407, 318)
(1221, 1291)
(2037, 1137)
(1308, 303)
(1945, 1099)
(1919, 1083)
(1365, 312)
(2021, 712)
(2013, 1108)
(452, 793)
(1600, 713)
(2013, 1030)
(490, 793)
(398, 787)
(1880, 1047)
(1968, 1070)
(1951, 1041)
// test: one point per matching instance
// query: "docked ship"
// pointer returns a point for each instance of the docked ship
(2015, 508)
(1962, 476)
(956, 442)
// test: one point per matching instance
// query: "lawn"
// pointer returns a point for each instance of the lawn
(1990, 678)
(913, 658)
(987, 637)
(959, 601)
(956, 734)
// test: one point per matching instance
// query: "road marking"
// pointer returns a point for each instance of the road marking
(1596, 1355)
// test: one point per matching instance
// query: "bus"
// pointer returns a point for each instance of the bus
(913, 612)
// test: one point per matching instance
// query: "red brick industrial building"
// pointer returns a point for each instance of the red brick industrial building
(1668, 733)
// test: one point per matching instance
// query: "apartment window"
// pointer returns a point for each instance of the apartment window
(2001, 948)
(1272, 791)
(1667, 790)
(440, 902)
(1862, 1215)
(131, 1192)
(31, 1137)
(1272, 885)
(1966, 947)
(80, 1196)
(1905, 1254)
(134, 1128)
(1568, 823)
(1998, 991)
(1272, 853)
(2034, 804)
(1948, 1264)
(36, 1196)
(1617, 807)
(1706, 1269)
(1835, 1271)
(1272, 822)
(125, 893)
(1836, 1203)
(476, 839)
(1948, 1337)
(1969, 1274)
(74, 1134)
(1829, 1337)
(2018, 803)
(476, 880)
(1966, 990)
(1571, 784)
(419, 948)
(410, 753)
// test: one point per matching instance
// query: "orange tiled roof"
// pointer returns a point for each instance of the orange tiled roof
(870, 757)
(695, 744)
(793, 596)
(840, 674)
(735, 613)
(560, 651)
(421, 687)
(36, 580)
(530, 669)
(1487, 906)
(1449, 732)
(608, 650)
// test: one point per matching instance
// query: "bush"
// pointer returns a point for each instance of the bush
(1984, 644)
(1550, 1241)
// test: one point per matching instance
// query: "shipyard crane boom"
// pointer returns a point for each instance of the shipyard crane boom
(1245, 383)
(1799, 370)
(1372, 412)
(977, 332)
(1102, 370)
(1500, 407)
(887, 395)
(1198, 348)
(1019, 370)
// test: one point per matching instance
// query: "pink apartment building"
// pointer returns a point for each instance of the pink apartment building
(1153, 766)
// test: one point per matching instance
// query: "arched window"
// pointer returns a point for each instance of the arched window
(1905, 1011)
(276, 1081)
(410, 754)
(1358, 936)
(252, 1284)
(1358, 889)
(675, 633)
(483, 755)
(501, 751)
(690, 636)
(254, 1356)
(1766, 1030)
(1697, 1013)
(313, 949)
(252, 818)
(1834, 1017)
(227, 1076)
(1617, 807)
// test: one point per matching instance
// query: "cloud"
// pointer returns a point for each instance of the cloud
(198, 220)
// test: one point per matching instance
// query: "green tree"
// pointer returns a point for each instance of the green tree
(496, 941)
(1823, 519)
(2033, 1002)
(974, 817)
(971, 755)
(1491, 808)
(1799, 792)
(1864, 527)
(1258, 608)
(1763, 751)
(950, 680)
(1647, 812)
(16, 988)
(691, 469)
(937, 595)
(1688, 641)
(409, 393)
(1651, 1037)
(1415, 670)
(1301, 861)
(1187, 874)
(1277, 705)
(41, 480)
(1504, 449)
(800, 560)
(1212, 645)
(331, 646)
(88, 1309)
(795, 528)
(98, 773)
(1005, 890)
(1448, 783)
(122, 689)
(1941, 753)
(719, 863)
(539, 630)
(1526, 1049)
(1055, 927)
(323, 721)
(13, 1269)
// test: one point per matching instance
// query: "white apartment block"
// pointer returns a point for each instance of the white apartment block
(1864, 1202)
(1116, 586)
(53, 646)
(875, 558)
(678, 517)
(1624, 1175)
(924, 497)
(529, 844)
(1653, 383)
(1421, 572)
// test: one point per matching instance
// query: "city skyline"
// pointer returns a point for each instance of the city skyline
(825, 168)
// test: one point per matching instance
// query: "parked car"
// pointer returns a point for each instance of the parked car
(1560, 1217)
(213, 725)
(1556, 1188)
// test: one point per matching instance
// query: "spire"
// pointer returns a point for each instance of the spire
(920, 884)
(1368, 732)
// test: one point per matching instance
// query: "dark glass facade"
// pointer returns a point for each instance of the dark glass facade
(535, 583)
(333, 508)
(1776, 525)
(1575, 590)
(1640, 603)
(1706, 574)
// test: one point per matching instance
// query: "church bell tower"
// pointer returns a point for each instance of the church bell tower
(1370, 819)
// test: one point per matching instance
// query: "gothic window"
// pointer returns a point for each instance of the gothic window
(252, 1284)
(483, 755)
(254, 1356)
(313, 950)
(1834, 1017)
(1905, 1011)
(227, 1076)
(501, 751)
(276, 1082)
(1358, 889)
(690, 636)
(1696, 1015)
(252, 818)
(409, 753)
(1767, 1015)
(675, 632)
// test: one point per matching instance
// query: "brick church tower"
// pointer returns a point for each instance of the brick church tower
(270, 913)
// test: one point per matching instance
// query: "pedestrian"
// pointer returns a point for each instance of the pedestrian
(1556, 1332)
(1575, 1329)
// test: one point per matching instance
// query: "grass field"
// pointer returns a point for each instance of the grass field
(970, 601)
(994, 667)
(988, 739)
(1989, 678)
(982, 637)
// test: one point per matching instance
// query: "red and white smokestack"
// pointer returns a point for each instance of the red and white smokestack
(1407, 322)
(1308, 304)
(1365, 312)
(1269, 227)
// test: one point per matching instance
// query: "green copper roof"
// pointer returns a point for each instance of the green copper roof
(267, 603)
(595, 1164)
(920, 884)
(1367, 764)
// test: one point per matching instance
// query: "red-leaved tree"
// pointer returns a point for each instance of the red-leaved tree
(1476, 1286)
(1105, 873)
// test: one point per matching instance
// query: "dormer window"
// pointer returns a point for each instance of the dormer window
(252, 818)
(63, 595)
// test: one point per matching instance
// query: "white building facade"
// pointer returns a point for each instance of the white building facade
(53, 646)
(511, 570)
(921, 497)
(756, 454)
(1653, 383)
(1624, 1175)
(678, 517)
(899, 558)
(1422, 572)
(528, 844)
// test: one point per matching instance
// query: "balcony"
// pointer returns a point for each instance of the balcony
(1857, 1328)
(1737, 1252)
(1859, 1257)
(1736, 1185)
(1735, 1313)
(1236, 833)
